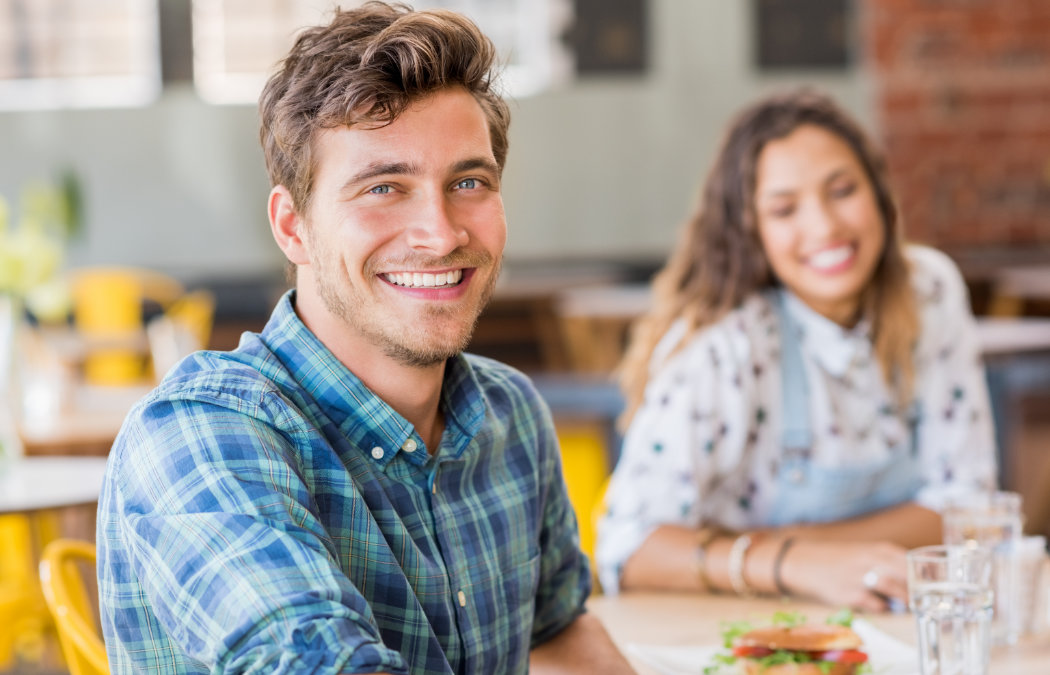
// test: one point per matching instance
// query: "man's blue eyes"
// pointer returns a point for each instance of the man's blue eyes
(465, 184)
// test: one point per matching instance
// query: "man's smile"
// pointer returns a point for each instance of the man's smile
(445, 279)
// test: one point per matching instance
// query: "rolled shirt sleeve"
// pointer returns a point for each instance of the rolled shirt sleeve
(565, 579)
(220, 532)
(956, 431)
(685, 441)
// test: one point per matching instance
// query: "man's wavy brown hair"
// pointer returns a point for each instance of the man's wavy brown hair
(719, 260)
(366, 67)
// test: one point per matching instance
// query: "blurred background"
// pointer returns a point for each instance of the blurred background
(618, 108)
(132, 186)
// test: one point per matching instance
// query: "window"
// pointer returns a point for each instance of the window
(237, 42)
(78, 53)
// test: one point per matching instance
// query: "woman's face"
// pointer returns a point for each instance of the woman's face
(818, 220)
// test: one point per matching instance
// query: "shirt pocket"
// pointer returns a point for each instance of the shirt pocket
(503, 612)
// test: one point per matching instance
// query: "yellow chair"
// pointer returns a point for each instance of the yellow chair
(195, 312)
(24, 619)
(62, 573)
(107, 311)
(19, 598)
(585, 465)
(184, 328)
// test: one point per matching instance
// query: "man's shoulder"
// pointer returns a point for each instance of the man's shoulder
(487, 369)
(501, 382)
(241, 379)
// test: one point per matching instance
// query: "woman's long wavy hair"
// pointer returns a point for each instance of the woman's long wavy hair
(719, 260)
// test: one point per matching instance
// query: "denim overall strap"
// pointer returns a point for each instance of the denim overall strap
(808, 490)
(797, 433)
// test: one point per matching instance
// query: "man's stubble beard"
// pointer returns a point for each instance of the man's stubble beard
(427, 351)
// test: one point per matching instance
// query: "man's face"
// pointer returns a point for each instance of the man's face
(405, 232)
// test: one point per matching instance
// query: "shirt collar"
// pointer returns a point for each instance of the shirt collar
(835, 348)
(368, 422)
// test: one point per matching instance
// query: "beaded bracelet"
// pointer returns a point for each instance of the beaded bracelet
(737, 553)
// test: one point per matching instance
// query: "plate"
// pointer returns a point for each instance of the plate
(889, 656)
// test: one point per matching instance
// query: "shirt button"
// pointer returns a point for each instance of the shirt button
(377, 452)
(410, 445)
(462, 599)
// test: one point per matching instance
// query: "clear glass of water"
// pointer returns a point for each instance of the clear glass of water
(950, 592)
(994, 520)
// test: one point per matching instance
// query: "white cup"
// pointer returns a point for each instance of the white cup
(950, 592)
(993, 520)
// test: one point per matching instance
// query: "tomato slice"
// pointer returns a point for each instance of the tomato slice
(841, 656)
(752, 652)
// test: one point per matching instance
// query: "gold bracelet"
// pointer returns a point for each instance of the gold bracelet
(737, 555)
(703, 540)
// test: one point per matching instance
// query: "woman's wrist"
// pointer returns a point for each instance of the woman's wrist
(764, 563)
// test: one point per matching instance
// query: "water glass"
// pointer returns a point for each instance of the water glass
(993, 520)
(1033, 583)
(950, 592)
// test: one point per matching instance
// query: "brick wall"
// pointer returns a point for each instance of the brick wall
(963, 102)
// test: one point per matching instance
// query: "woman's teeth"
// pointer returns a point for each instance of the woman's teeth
(424, 279)
(830, 257)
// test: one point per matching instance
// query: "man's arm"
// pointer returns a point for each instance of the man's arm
(583, 647)
(207, 528)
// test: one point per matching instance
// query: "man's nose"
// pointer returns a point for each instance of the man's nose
(435, 229)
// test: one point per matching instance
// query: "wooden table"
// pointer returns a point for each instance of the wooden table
(85, 424)
(684, 619)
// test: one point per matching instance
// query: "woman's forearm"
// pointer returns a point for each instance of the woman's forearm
(669, 559)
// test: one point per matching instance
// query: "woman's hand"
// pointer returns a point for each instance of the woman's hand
(867, 576)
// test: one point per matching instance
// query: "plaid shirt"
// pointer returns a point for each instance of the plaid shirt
(263, 511)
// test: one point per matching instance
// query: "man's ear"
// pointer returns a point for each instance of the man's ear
(287, 226)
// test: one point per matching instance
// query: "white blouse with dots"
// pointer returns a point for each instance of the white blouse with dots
(705, 446)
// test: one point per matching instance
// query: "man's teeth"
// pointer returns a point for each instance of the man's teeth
(831, 257)
(424, 279)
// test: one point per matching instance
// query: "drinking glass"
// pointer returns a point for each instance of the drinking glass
(993, 520)
(950, 592)
(1033, 562)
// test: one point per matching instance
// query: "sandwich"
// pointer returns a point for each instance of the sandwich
(805, 649)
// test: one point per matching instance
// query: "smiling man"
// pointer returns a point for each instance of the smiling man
(346, 492)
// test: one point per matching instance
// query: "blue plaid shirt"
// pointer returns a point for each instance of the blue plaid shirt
(263, 511)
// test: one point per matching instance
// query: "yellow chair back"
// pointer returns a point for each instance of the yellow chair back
(585, 465)
(62, 574)
(24, 618)
(107, 311)
(16, 597)
(195, 312)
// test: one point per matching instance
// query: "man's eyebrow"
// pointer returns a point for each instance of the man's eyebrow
(484, 163)
(381, 169)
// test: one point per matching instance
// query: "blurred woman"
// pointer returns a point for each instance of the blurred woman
(807, 391)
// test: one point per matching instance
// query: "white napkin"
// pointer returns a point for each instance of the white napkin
(889, 656)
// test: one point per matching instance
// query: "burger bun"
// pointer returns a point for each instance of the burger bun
(749, 667)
